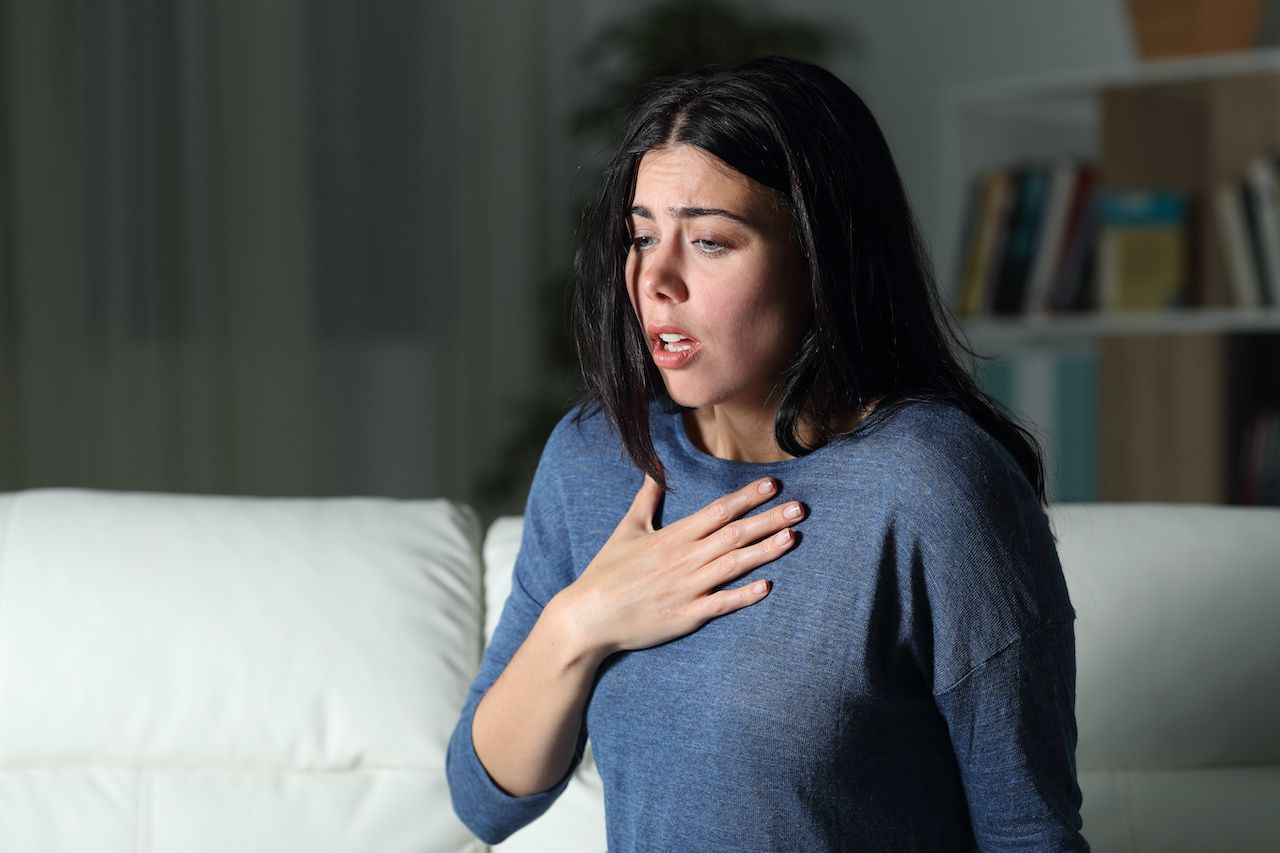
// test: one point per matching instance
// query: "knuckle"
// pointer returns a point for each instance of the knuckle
(726, 564)
(730, 535)
(719, 509)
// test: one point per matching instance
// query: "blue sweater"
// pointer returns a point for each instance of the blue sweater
(907, 684)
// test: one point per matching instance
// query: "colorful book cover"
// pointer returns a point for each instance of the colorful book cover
(1142, 249)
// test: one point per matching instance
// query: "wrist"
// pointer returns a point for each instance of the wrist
(571, 633)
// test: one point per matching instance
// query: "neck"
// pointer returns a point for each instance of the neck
(746, 435)
(738, 435)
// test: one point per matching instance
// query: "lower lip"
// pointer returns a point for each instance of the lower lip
(671, 360)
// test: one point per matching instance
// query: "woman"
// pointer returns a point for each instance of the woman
(882, 657)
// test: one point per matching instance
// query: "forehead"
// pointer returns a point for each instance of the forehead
(687, 175)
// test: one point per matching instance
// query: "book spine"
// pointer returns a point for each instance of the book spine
(1262, 181)
(1022, 240)
(995, 202)
(1229, 215)
(1005, 221)
(1049, 248)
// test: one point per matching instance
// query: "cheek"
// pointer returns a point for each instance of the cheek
(766, 325)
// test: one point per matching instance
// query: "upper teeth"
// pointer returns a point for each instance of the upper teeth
(672, 338)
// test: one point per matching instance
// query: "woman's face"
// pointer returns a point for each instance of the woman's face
(712, 257)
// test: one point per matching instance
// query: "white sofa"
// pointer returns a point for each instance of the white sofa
(188, 673)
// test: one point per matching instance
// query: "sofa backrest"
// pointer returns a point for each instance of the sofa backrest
(204, 673)
(1178, 654)
(209, 673)
(1178, 658)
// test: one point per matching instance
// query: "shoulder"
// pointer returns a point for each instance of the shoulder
(951, 474)
(941, 447)
(583, 443)
(582, 427)
(982, 544)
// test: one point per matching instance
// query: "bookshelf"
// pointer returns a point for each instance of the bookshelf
(1133, 405)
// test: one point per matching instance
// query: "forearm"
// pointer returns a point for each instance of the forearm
(526, 726)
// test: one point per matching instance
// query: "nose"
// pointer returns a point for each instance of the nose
(660, 274)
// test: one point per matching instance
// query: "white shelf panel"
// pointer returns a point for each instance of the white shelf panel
(1071, 329)
(1084, 84)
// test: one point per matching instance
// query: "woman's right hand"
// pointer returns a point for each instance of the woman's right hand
(647, 586)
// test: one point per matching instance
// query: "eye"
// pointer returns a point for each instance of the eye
(710, 247)
(639, 243)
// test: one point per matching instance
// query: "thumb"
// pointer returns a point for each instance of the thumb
(645, 504)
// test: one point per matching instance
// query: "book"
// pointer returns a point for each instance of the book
(1057, 210)
(1005, 219)
(1142, 249)
(1264, 192)
(996, 186)
(1260, 460)
(1071, 291)
(1024, 229)
(1253, 234)
(1233, 230)
(1079, 230)
(967, 254)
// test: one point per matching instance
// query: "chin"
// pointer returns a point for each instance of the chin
(684, 397)
(695, 398)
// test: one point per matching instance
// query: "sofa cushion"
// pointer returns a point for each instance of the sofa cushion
(210, 673)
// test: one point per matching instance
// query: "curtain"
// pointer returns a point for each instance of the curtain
(275, 248)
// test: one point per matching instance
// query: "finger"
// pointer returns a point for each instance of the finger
(733, 564)
(729, 600)
(723, 510)
(645, 504)
(747, 530)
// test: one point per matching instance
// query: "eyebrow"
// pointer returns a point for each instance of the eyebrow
(690, 213)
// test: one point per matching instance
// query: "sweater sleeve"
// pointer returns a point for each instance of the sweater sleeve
(543, 566)
(1013, 728)
(998, 643)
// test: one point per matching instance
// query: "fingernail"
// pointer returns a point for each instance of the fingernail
(758, 586)
(783, 536)
(793, 511)
(766, 487)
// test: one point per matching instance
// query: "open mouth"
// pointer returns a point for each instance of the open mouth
(676, 343)
(670, 345)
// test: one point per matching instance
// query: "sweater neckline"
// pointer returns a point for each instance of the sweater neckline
(674, 422)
